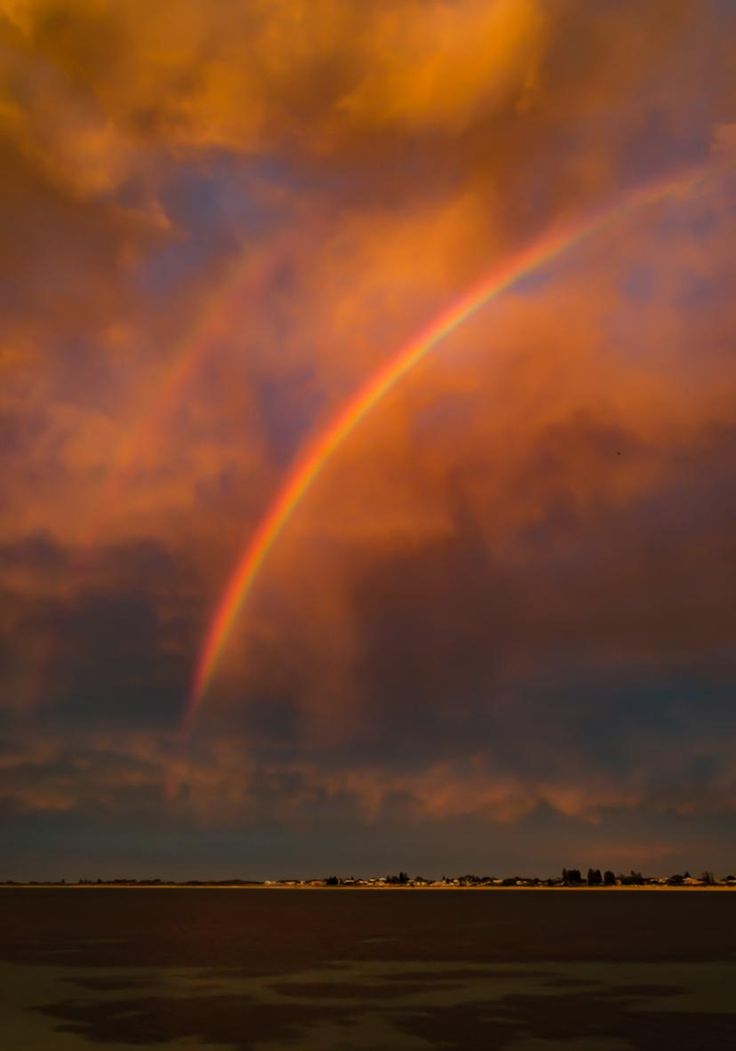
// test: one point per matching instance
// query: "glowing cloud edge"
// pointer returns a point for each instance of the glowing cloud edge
(324, 444)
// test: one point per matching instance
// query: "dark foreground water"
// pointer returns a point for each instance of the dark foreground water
(367, 970)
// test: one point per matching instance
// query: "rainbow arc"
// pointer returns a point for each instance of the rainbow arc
(317, 453)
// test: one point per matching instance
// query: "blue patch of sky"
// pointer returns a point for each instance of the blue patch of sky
(639, 283)
(291, 407)
(674, 224)
(217, 206)
(697, 293)
(656, 146)
(652, 151)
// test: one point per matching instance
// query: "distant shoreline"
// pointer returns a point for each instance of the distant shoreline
(648, 888)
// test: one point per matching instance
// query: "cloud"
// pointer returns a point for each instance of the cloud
(446, 68)
(507, 599)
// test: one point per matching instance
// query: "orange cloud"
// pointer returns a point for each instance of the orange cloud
(444, 65)
(281, 194)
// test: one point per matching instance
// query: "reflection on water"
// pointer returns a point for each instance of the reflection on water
(374, 1006)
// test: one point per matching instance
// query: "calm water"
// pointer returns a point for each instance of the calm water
(371, 971)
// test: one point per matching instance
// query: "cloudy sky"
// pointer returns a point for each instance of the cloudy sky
(497, 634)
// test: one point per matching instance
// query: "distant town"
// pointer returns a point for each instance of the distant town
(568, 878)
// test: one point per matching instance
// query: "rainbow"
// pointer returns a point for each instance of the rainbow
(146, 430)
(323, 446)
(210, 329)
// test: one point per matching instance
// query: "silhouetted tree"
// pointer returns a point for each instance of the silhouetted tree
(594, 878)
(402, 878)
(571, 877)
(609, 879)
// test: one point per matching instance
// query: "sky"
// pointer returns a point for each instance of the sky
(496, 632)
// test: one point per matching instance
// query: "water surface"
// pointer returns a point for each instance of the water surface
(260, 970)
